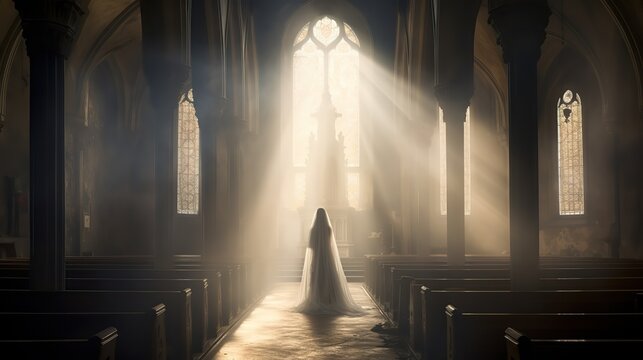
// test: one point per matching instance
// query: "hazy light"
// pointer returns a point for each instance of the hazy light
(328, 47)
(393, 136)
(443, 163)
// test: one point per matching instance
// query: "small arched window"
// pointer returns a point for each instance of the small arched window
(188, 159)
(571, 186)
(443, 163)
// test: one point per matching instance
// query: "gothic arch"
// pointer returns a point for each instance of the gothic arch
(337, 8)
(9, 48)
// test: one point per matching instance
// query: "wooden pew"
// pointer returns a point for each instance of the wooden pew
(391, 289)
(141, 334)
(399, 295)
(481, 335)
(523, 347)
(242, 277)
(400, 288)
(100, 346)
(432, 338)
(415, 301)
(215, 301)
(178, 309)
(414, 316)
(386, 282)
(198, 287)
(376, 265)
(233, 283)
(214, 286)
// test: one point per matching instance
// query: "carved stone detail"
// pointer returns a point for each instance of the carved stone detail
(49, 25)
(520, 27)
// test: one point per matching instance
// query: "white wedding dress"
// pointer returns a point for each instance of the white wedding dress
(323, 288)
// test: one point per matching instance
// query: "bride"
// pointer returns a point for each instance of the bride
(323, 288)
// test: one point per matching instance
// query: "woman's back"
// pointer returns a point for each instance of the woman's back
(323, 288)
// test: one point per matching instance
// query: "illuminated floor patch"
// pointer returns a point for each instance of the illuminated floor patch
(273, 331)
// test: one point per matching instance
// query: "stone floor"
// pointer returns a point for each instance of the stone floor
(273, 331)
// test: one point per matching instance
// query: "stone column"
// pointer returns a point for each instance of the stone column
(454, 29)
(207, 82)
(49, 29)
(615, 228)
(165, 101)
(234, 162)
(166, 69)
(521, 31)
(454, 108)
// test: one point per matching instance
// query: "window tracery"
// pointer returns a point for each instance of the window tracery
(571, 185)
(188, 159)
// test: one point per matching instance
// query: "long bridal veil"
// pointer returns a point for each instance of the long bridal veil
(323, 288)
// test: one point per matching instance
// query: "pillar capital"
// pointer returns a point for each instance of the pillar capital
(49, 26)
(520, 26)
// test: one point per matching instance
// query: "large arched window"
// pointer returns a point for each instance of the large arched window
(443, 164)
(571, 187)
(188, 159)
(325, 57)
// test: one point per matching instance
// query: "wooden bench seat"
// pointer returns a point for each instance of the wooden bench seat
(385, 280)
(100, 346)
(376, 265)
(198, 287)
(217, 307)
(391, 279)
(547, 347)
(141, 335)
(481, 335)
(505, 284)
(414, 286)
(399, 292)
(216, 304)
(373, 263)
(178, 309)
(431, 338)
(395, 295)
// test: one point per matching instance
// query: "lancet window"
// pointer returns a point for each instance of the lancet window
(571, 184)
(188, 159)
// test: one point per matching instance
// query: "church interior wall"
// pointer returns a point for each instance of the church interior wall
(587, 234)
(14, 151)
(591, 46)
(586, 47)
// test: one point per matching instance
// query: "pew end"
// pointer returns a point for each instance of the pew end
(100, 346)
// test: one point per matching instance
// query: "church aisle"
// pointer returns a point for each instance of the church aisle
(273, 331)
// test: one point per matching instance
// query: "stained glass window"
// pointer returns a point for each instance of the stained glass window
(443, 164)
(326, 53)
(188, 162)
(571, 187)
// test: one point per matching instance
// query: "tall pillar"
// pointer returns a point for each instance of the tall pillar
(165, 63)
(235, 245)
(164, 101)
(49, 28)
(208, 131)
(453, 32)
(521, 31)
(207, 82)
(454, 109)
(615, 228)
